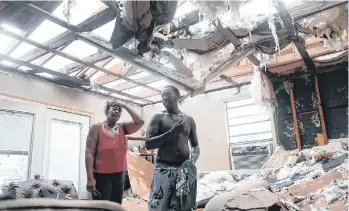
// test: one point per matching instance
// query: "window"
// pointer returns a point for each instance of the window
(249, 132)
(15, 143)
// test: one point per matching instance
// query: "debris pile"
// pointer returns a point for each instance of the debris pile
(314, 179)
(215, 183)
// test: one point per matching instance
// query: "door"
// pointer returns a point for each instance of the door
(65, 148)
(22, 127)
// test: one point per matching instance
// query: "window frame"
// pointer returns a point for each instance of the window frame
(267, 141)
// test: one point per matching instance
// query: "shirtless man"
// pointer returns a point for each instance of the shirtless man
(169, 132)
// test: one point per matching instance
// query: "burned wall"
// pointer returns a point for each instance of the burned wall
(333, 86)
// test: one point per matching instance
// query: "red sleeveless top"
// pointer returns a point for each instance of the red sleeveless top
(111, 152)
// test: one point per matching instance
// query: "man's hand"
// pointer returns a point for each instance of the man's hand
(195, 153)
(178, 127)
(91, 185)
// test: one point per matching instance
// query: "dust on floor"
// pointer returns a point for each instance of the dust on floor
(133, 204)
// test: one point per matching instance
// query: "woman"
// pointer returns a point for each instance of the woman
(106, 151)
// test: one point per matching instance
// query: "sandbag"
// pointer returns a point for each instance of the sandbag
(218, 202)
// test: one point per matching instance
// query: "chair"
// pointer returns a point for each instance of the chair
(41, 188)
(61, 205)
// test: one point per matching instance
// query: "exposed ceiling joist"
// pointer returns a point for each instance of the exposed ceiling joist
(233, 39)
(43, 13)
(89, 24)
(237, 55)
(39, 69)
(172, 75)
(87, 64)
(75, 66)
(146, 80)
(80, 82)
(297, 40)
(32, 74)
(8, 12)
(314, 7)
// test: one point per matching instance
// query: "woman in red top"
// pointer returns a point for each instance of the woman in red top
(106, 150)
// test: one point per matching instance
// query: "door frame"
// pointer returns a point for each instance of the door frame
(65, 116)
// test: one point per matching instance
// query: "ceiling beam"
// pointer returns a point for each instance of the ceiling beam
(185, 21)
(47, 15)
(38, 69)
(313, 7)
(80, 82)
(89, 24)
(236, 56)
(87, 64)
(297, 40)
(75, 66)
(8, 12)
(32, 74)
(172, 75)
(233, 39)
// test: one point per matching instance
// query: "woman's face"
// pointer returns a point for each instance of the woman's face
(114, 113)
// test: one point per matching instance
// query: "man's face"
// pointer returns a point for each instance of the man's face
(114, 113)
(169, 98)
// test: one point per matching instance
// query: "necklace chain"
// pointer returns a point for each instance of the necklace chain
(106, 126)
(173, 119)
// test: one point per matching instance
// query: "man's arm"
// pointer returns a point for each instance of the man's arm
(91, 144)
(153, 140)
(195, 149)
(136, 124)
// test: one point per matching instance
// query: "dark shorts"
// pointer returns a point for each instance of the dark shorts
(111, 186)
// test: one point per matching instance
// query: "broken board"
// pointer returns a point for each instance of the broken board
(305, 189)
(141, 173)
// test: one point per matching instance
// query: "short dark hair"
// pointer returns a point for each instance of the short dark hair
(110, 104)
(174, 89)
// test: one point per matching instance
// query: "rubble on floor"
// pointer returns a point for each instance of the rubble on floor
(214, 183)
(315, 179)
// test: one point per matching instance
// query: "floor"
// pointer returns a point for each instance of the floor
(132, 204)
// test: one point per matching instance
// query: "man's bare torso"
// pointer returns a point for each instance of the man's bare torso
(176, 151)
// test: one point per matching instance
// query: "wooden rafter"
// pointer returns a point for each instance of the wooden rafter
(75, 66)
(172, 75)
(80, 82)
(36, 44)
(89, 24)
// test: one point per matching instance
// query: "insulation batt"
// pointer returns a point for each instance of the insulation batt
(215, 183)
(336, 190)
(288, 172)
(332, 146)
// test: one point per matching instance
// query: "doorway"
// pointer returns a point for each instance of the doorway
(65, 148)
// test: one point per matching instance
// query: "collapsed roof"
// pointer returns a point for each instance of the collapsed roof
(197, 47)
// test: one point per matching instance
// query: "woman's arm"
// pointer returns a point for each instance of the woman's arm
(91, 144)
(136, 124)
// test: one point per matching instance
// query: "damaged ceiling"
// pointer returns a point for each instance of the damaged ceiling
(131, 50)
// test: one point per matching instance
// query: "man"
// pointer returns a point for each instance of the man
(169, 132)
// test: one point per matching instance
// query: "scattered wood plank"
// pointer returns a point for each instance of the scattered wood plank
(140, 172)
